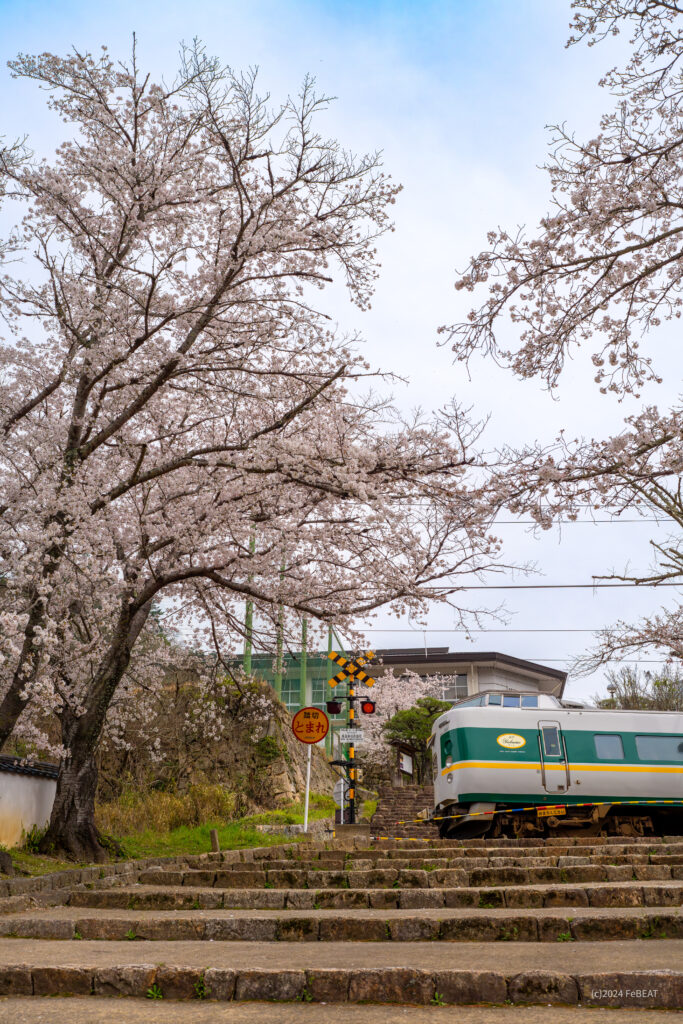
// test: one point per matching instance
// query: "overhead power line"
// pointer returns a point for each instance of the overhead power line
(503, 629)
(614, 517)
(643, 520)
(547, 586)
(607, 661)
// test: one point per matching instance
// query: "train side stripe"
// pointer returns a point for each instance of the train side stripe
(643, 768)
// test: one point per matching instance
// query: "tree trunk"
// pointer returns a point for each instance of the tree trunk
(72, 824)
(72, 827)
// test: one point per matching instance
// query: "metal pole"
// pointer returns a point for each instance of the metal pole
(329, 739)
(277, 681)
(350, 750)
(352, 755)
(303, 698)
(308, 787)
(248, 622)
(249, 617)
(336, 636)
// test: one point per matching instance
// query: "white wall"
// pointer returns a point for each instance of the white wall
(25, 800)
(502, 679)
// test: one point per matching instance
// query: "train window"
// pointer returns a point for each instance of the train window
(529, 701)
(510, 702)
(551, 740)
(473, 702)
(495, 698)
(609, 747)
(660, 748)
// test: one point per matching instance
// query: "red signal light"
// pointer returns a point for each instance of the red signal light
(367, 707)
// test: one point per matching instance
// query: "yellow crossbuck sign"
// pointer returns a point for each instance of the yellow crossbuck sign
(351, 668)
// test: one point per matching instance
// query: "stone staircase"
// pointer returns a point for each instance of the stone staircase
(403, 804)
(582, 922)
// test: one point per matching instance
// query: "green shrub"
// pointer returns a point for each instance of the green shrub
(33, 838)
(369, 808)
(161, 811)
(268, 750)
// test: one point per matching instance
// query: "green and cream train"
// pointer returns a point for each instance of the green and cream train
(545, 768)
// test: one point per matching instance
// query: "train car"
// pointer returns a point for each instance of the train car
(535, 762)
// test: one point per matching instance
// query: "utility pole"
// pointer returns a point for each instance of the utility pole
(277, 680)
(248, 624)
(249, 616)
(303, 701)
(329, 739)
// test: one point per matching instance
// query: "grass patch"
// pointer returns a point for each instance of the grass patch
(369, 808)
(26, 863)
(147, 840)
(163, 811)
(234, 835)
(319, 806)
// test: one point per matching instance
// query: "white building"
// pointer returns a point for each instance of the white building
(27, 792)
(469, 672)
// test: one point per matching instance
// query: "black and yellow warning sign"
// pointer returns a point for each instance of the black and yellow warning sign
(352, 668)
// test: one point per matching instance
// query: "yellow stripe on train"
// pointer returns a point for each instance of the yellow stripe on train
(646, 768)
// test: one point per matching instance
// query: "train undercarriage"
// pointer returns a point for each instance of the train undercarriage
(602, 819)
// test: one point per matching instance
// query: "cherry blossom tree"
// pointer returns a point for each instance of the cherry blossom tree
(135, 309)
(603, 269)
(392, 693)
(180, 421)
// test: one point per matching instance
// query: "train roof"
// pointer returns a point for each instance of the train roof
(507, 700)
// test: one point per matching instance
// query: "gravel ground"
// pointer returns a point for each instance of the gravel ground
(135, 1011)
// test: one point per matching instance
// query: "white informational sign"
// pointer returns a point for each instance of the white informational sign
(406, 764)
(355, 736)
(341, 788)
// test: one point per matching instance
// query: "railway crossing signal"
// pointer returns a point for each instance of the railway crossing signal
(351, 668)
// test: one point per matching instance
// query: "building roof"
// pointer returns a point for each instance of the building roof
(17, 765)
(441, 660)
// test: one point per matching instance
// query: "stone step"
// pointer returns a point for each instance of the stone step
(620, 974)
(387, 877)
(624, 894)
(444, 849)
(292, 923)
(673, 844)
(592, 842)
(456, 925)
(413, 853)
(432, 863)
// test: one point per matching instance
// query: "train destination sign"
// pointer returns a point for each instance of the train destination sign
(310, 725)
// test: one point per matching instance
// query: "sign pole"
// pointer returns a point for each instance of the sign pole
(308, 787)
(310, 725)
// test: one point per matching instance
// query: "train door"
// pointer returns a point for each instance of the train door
(553, 751)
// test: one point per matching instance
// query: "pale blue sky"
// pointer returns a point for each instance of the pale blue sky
(457, 95)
